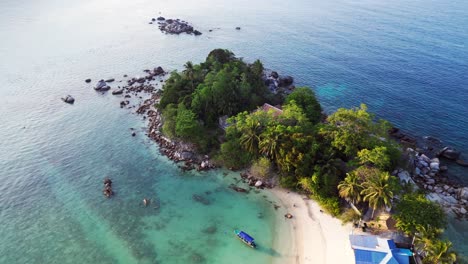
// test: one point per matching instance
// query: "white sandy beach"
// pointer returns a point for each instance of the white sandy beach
(317, 237)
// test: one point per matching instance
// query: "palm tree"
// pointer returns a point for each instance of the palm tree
(270, 143)
(378, 191)
(439, 253)
(251, 135)
(424, 236)
(350, 188)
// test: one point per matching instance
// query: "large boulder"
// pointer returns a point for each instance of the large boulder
(463, 193)
(285, 81)
(434, 166)
(449, 153)
(69, 99)
(404, 177)
(100, 85)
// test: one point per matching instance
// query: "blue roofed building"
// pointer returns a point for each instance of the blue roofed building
(376, 250)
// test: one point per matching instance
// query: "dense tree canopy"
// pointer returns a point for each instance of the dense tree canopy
(305, 98)
(414, 210)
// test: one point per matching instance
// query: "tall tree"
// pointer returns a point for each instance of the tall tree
(378, 191)
(305, 98)
(351, 188)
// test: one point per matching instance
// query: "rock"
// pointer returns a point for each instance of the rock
(159, 70)
(186, 155)
(258, 184)
(200, 199)
(425, 158)
(110, 80)
(434, 166)
(119, 91)
(197, 33)
(69, 99)
(288, 215)
(204, 165)
(237, 189)
(463, 163)
(449, 153)
(161, 18)
(285, 81)
(463, 193)
(88, 80)
(238, 28)
(443, 168)
(463, 210)
(423, 164)
(435, 160)
(105, 88)
(430, 181)
(274, 74)
(100, 85)
(417, 171)
(153, 19)
(404, 176)
(133, 134)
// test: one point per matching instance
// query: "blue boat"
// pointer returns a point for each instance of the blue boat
(248, 240)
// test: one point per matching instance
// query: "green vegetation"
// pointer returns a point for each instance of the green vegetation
(415, 211)
(347, 155)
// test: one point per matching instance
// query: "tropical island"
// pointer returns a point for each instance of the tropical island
(247, 119)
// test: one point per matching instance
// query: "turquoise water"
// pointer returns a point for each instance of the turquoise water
(407, 60)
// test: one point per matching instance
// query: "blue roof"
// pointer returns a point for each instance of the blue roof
(375, 250)
(368, 257)
(245, 236)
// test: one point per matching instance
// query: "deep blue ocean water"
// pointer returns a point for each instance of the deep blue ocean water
(408, 61)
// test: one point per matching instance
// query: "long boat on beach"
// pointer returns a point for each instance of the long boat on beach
(248, 240)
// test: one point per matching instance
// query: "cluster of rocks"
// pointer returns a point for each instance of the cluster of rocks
(174, 26)
(429, 145)
(107, 188)
(429, 174)
(177, 151)
(278, 84)
(402, 137)
(134, 86)
(252, 181)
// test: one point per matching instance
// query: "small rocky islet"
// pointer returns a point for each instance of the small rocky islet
(174, 26)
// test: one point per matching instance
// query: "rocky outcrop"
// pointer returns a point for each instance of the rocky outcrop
(107, 188)
(428, 174)
(176, 26)
(278, 84)
(101, 86)
(449, 153)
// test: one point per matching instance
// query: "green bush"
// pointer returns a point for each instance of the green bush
(261, 168)
(331, 205)
(349, 215)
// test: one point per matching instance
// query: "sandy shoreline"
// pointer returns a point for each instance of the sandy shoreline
(316, 237)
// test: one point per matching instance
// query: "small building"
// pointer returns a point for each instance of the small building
(370, 249)
(267, 107)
